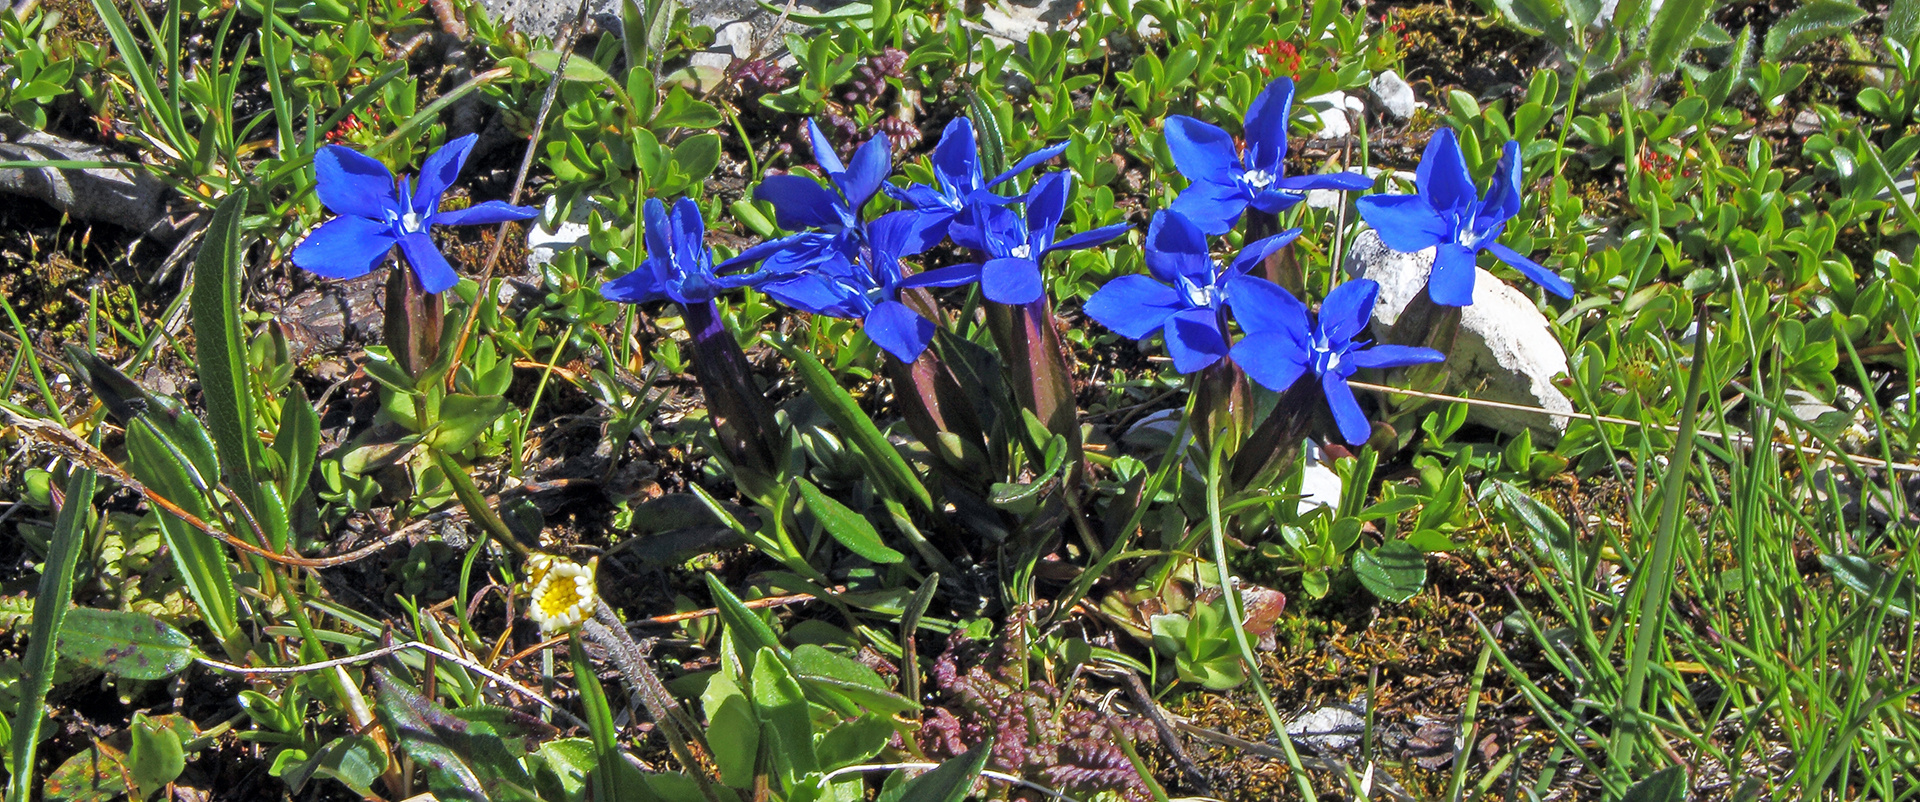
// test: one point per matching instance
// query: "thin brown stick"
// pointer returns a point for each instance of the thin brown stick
(756, 604)
(1871, 462)
(70, 445)
(519, 185)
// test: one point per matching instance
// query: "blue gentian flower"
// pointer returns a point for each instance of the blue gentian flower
(959, 182)
(377, 211)
(1448, 214)
(1185, 298)
(1279, 347)
(1224, 181)
(679, 266)
(802, 204)
(868, 289)
(1016, 245)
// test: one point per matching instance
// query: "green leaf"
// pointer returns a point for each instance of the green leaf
(1666, 785)
(950, 782)
(732, 730)
(131, 645)
(95, 774)
(849, 527)
(200, 559)
(855, 741)
(698, 155)
(49, 614)
(461, 763)
(356, 761)
(1812, 21)
(463, 418)
(155, 758)
(746, 629)
(681, 110)
(1549, 532)
(852, 423)
(220, 348)
(578, 69)
(1903, 22)
(782, 706)
(297, 443)
(1394, 571)
(1872, 581)
(1672, 32)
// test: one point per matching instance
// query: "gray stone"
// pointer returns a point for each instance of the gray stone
(130, 198)
(1328, 730)
(741, 28)
(1393, 94)
(1505, 350)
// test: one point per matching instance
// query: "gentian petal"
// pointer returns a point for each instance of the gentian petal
(1258, 251)
(898, 330)
(1263, 307)
(483, 213)
(823, 154)
(690, 252)
(956, 159)
(1266, 127)
(642, 285)
(1011, 281)
(1088, 239)
(1202, 151)
(1345, 180)
(760, 252)
(921, 197)
(1354, 427)
(799, 202)
(1046, 203)
(1275, 201)
(1176, 247)
(1451, 283)
(1032, 160)
(810, 292)
(1347, 309)
(1134, 305)
(1547, 279)
(1442, 177)
(1271, 359)
(659, 230)
(1404, 222)
(904, 233)
(1194, 339)
(350, 182)
(1503, 195)
(1213, 205)
(866, 173)
(439, 172)
(344, 247)
(952, 276)
(1394, 356)
(436, 276)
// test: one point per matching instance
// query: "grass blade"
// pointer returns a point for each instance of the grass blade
(1654, 580)
(49, 610)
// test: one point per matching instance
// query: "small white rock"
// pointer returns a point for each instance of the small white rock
(1319, 485)
(1393, 93)
(1505, 350)
(1332, 109)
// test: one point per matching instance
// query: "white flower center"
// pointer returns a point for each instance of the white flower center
(1258, 178)
(410, 222)
(1202, 296)
(1021, 251)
